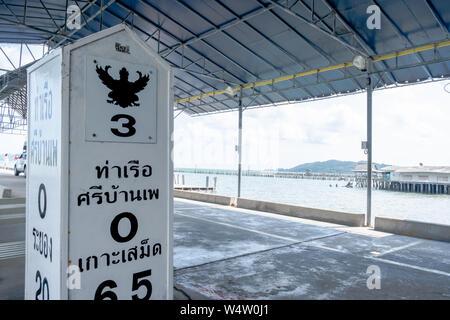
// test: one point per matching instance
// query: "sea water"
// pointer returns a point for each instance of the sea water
(324, 194)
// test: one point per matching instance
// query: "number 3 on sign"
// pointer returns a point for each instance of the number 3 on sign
(138, 282)
(128, 125)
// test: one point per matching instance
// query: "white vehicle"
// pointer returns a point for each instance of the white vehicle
(21, 165)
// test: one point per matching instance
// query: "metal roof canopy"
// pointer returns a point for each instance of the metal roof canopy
(277, 51)
(232, 54)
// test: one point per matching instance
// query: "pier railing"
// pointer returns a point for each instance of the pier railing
(273, 174)
(382, 183)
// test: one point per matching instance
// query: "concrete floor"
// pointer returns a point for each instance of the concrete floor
(227, 253)
(17, 184)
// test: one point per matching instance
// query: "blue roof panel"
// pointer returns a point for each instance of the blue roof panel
(216, 44)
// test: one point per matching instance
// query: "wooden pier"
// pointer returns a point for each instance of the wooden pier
(273, 174)
(404, 186)
(194, 188)
(379, 182)
(179, 184)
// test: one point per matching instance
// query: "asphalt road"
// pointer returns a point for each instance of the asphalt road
(17, 184)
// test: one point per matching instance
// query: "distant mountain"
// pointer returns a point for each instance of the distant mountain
(330, 166)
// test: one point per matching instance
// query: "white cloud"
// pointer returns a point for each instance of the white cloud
(12, 52)
(11, 143)
(410, 125)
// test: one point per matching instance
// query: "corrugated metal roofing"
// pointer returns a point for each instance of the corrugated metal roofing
(228, 43)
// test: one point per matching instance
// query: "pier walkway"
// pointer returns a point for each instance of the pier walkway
(221, 252)
(228, 253)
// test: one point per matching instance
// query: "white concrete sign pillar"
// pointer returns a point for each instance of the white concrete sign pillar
(100, 175)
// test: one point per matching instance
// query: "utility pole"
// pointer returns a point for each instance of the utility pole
(369, 145)
(240, 144)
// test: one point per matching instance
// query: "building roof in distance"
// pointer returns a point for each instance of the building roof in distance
(424, 169)
(362, 167)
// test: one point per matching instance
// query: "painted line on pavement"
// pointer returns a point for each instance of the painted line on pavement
(400, 248)
(10, 250)
(240, 228)
(442, 273)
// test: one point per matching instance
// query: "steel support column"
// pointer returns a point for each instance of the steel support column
(369, 145)
(239, 148)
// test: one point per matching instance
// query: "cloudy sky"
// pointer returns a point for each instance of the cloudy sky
(410, 125)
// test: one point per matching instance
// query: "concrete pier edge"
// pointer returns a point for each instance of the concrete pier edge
(418, 229)
(343, 218)
(204, 197)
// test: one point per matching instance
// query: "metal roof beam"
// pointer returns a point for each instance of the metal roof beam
(221, 28)
(206, 75)
(150, 37)
(170, 62)
(358, 38)
(356, 35)
(316, 27)
(62, 29)
(207, 43)
(402, 36)
(304, 86)
(30, 6)
(177, 40)
(83, 16)
(186, 92)
(200, 90)
(202, 40)
(314, 23)
(31, 53)
(287, 53)
(349, 28)
(7, 58)
(322, 53)
(443, 60)
(25, 10)
(393, 55)
(273, 43)
(50, 16)
(275, 68)
(31, 17)
(437, 17)
(317, 49)
(238, 42)
(194, 106)
(18, 22)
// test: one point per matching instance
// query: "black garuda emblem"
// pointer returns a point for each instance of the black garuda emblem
(123, 92)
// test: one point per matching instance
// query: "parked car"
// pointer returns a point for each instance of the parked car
(9, 161)
(20, 165)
